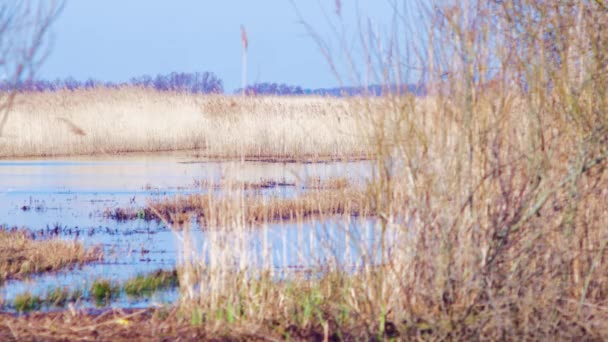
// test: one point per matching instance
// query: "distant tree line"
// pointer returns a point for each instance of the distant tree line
(270, 89)
(373, 90)
(197, 83)
(205, 83)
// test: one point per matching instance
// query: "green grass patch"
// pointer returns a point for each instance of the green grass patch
(103, 291)
(59, 297)
(54, 297)
(27, 302)
(146, 285)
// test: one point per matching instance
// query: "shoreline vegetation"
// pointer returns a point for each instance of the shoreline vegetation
(107, 121)
(22, 256)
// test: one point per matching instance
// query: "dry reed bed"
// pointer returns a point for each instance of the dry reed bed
(317, 183)
(106, 121)
(322, 197)
(501, 225)
(509, 242)
(21, 256)
(224, 211)
(488, 227)
(506, 221)
(255, 210)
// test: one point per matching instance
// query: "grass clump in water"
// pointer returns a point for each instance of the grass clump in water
(21, 256)
(59, 297)
(103, 291)
(27, 302)
(256, 209)
(146, 285)
(55, 297)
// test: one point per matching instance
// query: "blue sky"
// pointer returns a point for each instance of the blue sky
(114, 40)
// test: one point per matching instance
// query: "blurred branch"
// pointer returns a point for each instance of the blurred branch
(24, 30)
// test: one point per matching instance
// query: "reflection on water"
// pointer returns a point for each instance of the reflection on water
(68, 197)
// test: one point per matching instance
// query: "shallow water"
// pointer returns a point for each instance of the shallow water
(67, 198)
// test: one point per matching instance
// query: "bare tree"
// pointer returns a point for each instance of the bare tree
(24, 44)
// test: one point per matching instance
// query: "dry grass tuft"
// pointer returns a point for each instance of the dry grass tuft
(217, 211)
(21, 256)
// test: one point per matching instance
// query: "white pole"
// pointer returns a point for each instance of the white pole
(245, 43)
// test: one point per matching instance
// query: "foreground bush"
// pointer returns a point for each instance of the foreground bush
(490, 193)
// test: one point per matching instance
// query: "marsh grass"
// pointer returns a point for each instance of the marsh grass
(103, 291)
(21, 256)
(322, 199)
(489, 195)
(27, 302)
(146, 285)
(211, 210)
(60, 297)
(205, 184)
(333, 183)
(108, 121)
(318, 183)
(54, 298)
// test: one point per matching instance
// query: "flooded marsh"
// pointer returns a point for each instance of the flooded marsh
(105, 206)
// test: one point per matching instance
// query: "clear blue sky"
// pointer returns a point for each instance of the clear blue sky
(114, 40)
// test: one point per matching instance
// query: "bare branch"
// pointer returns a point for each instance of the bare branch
(24, 31)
